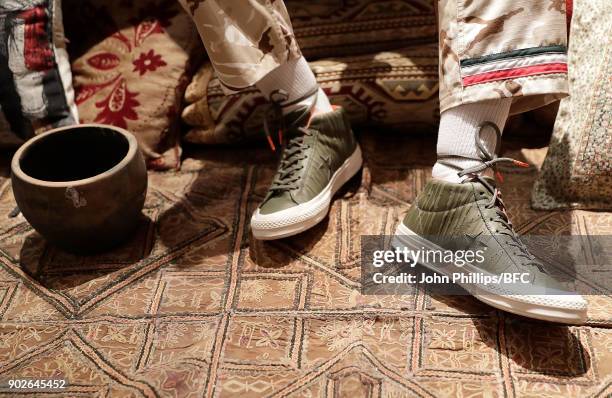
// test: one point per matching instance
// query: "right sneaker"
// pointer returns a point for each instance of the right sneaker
(319, 155)
(471, 216)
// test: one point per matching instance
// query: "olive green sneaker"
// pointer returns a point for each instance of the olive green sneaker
(318, 157)
(471, 216)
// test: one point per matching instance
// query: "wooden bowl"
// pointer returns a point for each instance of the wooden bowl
(81, 187)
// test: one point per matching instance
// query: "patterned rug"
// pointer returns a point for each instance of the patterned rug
(192, 306)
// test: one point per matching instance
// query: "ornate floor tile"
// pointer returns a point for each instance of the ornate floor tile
(193, 306)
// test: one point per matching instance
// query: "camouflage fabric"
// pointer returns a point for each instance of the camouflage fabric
(245, 39)
(487, 49)
(497, 49)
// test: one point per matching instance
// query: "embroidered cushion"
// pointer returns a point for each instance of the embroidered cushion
(388, 89)
(130, 62)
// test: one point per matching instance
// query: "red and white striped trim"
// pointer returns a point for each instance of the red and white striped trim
(514, 73)
(513, 63)
(513, 66)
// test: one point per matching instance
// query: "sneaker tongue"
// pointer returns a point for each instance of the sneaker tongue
(492, 181)
(295, 119)
(329, 122)
(488, 184)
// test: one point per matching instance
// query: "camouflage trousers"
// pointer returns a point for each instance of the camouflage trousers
(488, 49)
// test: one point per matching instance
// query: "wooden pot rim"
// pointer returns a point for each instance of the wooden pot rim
(19, 173)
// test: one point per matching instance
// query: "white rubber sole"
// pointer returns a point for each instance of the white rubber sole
(561, 308)
(299, 218)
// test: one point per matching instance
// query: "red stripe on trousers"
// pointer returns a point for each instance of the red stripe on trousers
(516, 72)
(38, 54)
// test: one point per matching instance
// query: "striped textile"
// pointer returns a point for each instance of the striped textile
(514, 64)
(35, 78)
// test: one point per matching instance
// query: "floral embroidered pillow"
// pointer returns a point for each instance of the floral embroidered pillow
(130, 62)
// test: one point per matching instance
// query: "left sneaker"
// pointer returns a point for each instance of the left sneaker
(318, 157)
(471, 216)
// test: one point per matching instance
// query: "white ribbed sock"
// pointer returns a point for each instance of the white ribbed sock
(457, 134)
(296, 78)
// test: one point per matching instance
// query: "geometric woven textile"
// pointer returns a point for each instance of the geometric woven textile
(193, 307)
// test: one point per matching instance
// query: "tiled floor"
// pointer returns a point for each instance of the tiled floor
(192, 306)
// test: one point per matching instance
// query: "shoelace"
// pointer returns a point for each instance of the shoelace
(491, 160)
(286, 178)
(274, 119)
(294, 148)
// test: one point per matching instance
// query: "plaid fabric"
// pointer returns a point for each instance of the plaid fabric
(34, 70)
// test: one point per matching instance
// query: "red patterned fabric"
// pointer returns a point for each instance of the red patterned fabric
(148, 62)
(36, 91)
(132, 74)
(38, 54)
(118, 106)
(516, 72)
